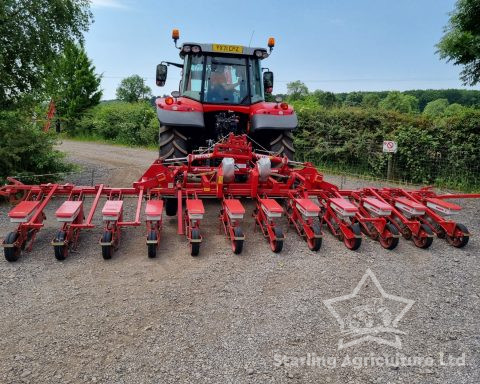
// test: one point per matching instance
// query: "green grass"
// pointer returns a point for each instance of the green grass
(101, 140)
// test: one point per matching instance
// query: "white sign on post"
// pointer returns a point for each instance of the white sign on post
(390, 146)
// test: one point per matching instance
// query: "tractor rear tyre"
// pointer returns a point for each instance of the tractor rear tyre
(171, 206)
(61, 251)
(11, 253)
(282, 144)
(172, 143)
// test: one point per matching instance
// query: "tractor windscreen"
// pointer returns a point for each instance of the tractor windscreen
(222, 79)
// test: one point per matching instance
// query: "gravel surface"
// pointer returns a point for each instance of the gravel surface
(222, 317)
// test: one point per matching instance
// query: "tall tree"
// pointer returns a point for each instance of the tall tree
(297, 89)
(354, 99)
(32, 33)
(327, 99)
(371, 100)
(399, 102)
(73, 84)
(461, 42)
(133, 88)
(436, 108)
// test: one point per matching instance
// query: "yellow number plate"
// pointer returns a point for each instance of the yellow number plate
(227, 48)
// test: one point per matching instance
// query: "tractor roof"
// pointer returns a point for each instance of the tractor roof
(225, 49)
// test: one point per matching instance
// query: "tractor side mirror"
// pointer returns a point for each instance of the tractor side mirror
(161, 77)
(268, 81)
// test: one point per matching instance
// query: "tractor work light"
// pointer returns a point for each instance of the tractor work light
(259, 53)
(196, 49)
(175, 34)
(187, 48)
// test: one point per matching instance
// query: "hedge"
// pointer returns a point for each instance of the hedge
(443, 152)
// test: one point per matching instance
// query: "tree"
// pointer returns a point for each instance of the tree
(32, 33)
(27, 150)
(455, 110)
(132, 89)
(73, 84)
(296, 90)
(354, 99)
(436, 108)
(399, 102)
(371, 100)
(461, 41)
(326, 99)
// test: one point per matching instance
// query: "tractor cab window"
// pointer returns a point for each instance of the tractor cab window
(256, 80)
(192, 77)
(226, 80)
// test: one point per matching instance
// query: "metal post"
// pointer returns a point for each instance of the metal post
(390, 167)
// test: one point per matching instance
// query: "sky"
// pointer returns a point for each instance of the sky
(332, 45)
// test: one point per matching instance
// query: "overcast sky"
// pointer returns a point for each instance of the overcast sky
(331, 45)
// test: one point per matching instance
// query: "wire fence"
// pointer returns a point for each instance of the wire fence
(441, 167)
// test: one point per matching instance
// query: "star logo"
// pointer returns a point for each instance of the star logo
(369, 314)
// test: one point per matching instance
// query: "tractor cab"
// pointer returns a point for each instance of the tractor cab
(222, 74)
(222, 91)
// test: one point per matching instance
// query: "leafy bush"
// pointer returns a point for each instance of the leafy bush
(121, 122)
(26, 150)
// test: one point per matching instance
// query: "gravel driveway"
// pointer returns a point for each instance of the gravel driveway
(257, 317)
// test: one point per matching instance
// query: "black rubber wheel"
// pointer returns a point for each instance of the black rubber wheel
(277, 245)
(152, 248)
(282, 144)
(195, 247)
(237, 245)
(462, 240)
(423, 241)
(390, 242)
(315, 243)
(107, 250)
(171, 206)
(172, 143)
(354, 244)
(61, 251)
(11, 253)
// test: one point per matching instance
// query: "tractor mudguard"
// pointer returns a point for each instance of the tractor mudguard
(274, 122)
(180, 118)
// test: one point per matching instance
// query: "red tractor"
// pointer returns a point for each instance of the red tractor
(222, 91)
